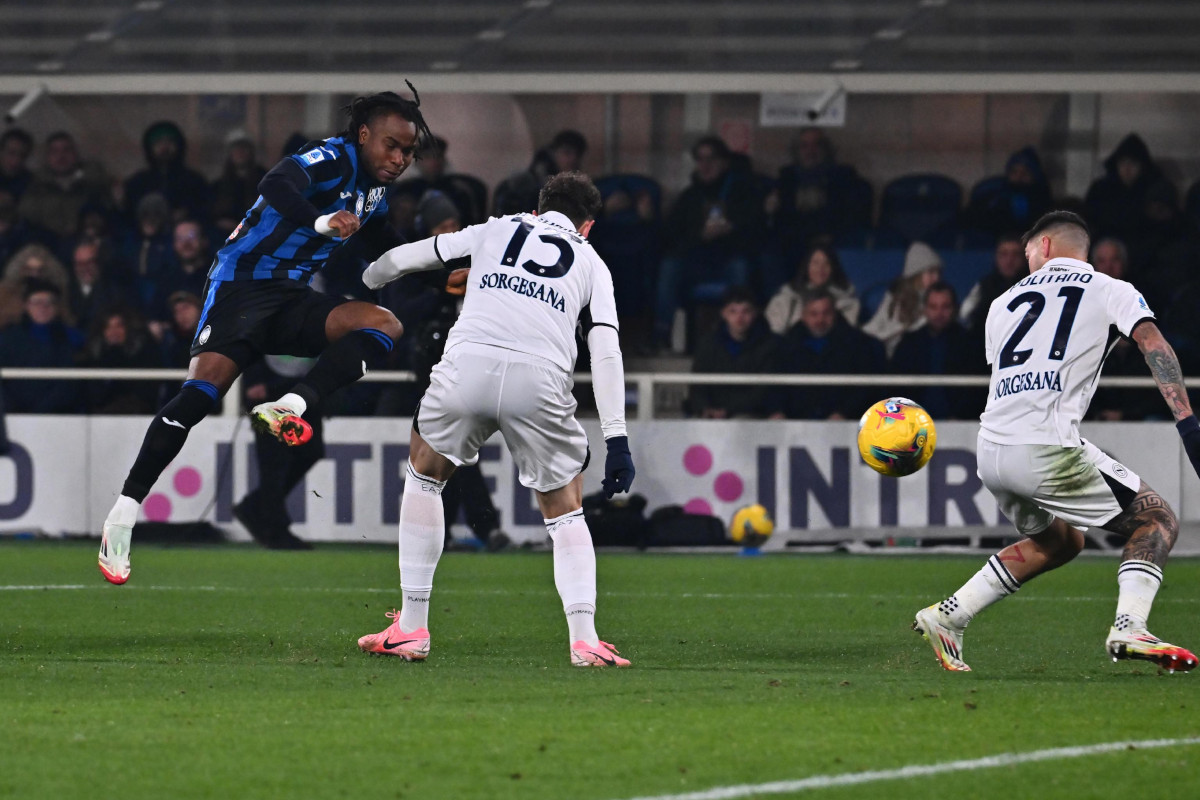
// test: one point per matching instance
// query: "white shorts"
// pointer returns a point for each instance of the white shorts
(477, 389)
(1034, 483)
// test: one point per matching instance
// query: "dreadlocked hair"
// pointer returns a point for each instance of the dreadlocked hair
(366, 109)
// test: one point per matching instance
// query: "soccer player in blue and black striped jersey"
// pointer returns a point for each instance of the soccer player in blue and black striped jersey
(258, 300)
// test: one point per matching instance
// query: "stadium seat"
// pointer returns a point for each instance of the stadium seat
(917, 206)
(478, 192)
(965, 268)
(866, 238)
(871, 272)
(1191, 206)
(633, 184)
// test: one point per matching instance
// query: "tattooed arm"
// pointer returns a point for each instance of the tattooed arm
(1164, 366)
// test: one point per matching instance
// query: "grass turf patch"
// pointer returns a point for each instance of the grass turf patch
(233, 671)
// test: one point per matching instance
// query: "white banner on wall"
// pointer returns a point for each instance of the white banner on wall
(801, 109)
(64, 472)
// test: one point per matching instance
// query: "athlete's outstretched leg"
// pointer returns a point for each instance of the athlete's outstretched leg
(575, 574)
(422, 535)
(209, 376)
(1003, 574)
(1152, 529)
(360, 336)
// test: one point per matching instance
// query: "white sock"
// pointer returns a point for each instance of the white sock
(422, 533)
(1138, 582)
(293, 401)
(124, 512)
(575, 574)
(991, 584)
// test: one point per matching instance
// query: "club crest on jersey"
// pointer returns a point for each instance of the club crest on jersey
(358, 206)
(205, 332)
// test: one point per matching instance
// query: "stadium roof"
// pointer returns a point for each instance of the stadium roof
(591, 45)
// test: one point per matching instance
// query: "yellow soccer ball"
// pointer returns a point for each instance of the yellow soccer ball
(896, 437)
(751, 526)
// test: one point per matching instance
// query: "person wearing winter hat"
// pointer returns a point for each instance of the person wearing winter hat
(1012, 201)
(437, 214)
(902, 307)
(167, 173)
(1116, 202)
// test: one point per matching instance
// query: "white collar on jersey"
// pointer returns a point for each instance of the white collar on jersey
(1067, 262)
(558, 220)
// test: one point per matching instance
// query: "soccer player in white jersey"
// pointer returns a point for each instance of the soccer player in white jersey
(507, 366)
(1046, 339)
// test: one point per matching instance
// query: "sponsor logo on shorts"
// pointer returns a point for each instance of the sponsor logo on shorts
(205, 332)
(1120, 471)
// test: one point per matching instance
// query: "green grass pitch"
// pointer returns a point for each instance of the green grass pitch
(232, 672)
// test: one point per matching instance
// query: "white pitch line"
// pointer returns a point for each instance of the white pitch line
(681, 595)
(918, 770)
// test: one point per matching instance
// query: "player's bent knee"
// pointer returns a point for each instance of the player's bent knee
(384, 321)
(1073, 543)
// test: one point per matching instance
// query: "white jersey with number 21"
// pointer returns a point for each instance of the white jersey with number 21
(1046, 339)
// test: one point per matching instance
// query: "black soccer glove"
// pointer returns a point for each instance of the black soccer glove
(1189, 431)
(618, 466)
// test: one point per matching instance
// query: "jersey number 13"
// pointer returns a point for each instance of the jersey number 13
(566, 256)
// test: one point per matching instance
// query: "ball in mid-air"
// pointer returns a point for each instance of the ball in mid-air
(896, 437)
(751, 526)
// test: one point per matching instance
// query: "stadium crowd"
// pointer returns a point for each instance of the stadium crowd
(804, 272)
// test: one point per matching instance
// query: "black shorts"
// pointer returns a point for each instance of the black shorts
(277, 316)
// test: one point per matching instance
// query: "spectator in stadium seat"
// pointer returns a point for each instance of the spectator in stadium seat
(119, 339)
(468, 193)
(178, 334)
(1008, 267)
(63, 187)
(817, 195)
(742, 344)
(1116, 202)
(237, 188)
(92, 292)
(16, 145)
(1110, 257)
(942, 346)
(519, 193)
(149, 253)
(819, 269)
(711, 234)
(41, 339)
(628, 236)
(16, 232)
(32, 262)
(167, 174)
(823, 343)
(188, 270)
(902, 308)
(1012, 201)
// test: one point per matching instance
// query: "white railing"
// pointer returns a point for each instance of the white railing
(645, 382)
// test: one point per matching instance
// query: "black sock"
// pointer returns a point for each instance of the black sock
(344, 362)
(166, 435)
